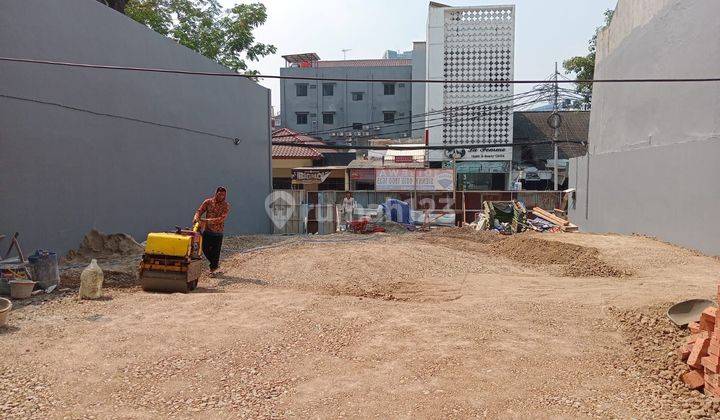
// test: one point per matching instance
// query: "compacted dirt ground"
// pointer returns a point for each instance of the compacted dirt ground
(449, 324)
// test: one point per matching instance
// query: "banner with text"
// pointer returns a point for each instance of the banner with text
(434, 180)
(395, 179)
(414, 179)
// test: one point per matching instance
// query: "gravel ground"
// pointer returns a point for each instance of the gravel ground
(447, 324)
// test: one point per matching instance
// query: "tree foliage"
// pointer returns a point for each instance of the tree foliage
(583, 67)
(224, 35)
(118, 5)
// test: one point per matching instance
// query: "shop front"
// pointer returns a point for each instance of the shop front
(323, 178)
(483, 175)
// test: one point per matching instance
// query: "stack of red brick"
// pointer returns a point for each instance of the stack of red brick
(702, 353)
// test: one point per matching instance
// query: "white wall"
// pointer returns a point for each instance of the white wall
(655, 148)
(434, 96)
(469, 43)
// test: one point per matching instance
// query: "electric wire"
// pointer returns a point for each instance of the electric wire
(441, 111)
(437, 147)
(446, 121)
(235, 140)
(442, 81)
(122, 117)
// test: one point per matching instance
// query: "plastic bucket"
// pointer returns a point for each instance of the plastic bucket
(44, 268)
(9, 272)
(5, 307)
(21, 289)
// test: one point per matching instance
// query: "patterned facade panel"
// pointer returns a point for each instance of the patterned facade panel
(478, 45)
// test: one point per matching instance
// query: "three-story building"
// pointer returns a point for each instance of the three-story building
(338, 111)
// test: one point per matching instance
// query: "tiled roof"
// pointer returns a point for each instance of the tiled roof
(288, 151)
(532, 126)
(380, 62)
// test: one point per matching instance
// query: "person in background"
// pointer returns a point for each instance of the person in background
(348, 208)
(212, 214)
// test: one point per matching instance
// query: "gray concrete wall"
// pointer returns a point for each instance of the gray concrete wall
(654, 149)
(65, 171)
(347, 111)
(419, 72)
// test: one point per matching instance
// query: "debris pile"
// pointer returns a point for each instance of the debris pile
(98, 245)
(509, 217)
(117, 253)
(546, 221)
(653, 367)
(701, 352)
(505, 217)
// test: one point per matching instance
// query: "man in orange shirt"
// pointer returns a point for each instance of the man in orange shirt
(215, 211)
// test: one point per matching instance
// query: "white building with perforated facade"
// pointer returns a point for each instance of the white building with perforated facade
(470, 43)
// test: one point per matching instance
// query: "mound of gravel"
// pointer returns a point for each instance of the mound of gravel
(578, 261)
(466, 233)
(99, 245)
(654, 365)
(590, 265)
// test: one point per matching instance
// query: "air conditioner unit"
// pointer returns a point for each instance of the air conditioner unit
(333, 134)
(366, 127)
(341, 134)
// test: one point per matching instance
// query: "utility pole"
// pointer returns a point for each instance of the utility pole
(556, 123)
(345, 51)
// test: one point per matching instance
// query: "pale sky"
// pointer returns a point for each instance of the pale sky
(545, 30)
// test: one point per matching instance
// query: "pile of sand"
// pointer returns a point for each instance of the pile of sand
(577, 260)
(393, 227)
(98, 245)
(590, 265)
(118, 255)
(466, 233)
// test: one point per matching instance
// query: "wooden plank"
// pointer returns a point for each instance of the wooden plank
(570, 228)
(550, 217)
(545, 218)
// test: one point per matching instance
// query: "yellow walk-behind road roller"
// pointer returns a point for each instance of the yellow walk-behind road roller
(172, 262)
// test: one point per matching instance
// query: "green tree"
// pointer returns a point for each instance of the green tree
(118, 5)
(223, 35)
(583, 67)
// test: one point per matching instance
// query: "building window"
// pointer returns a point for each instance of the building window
(328, 118)
(357, 126)
(389, 117)
(301, 89)
(389, 88)
(302, 118)
(357, 96)
(328, 89)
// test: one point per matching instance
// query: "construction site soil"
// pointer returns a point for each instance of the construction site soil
(451, 323)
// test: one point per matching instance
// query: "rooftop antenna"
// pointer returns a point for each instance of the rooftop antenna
(345, 51)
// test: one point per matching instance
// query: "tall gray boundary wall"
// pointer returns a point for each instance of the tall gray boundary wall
(64, 172)
(655, 148)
